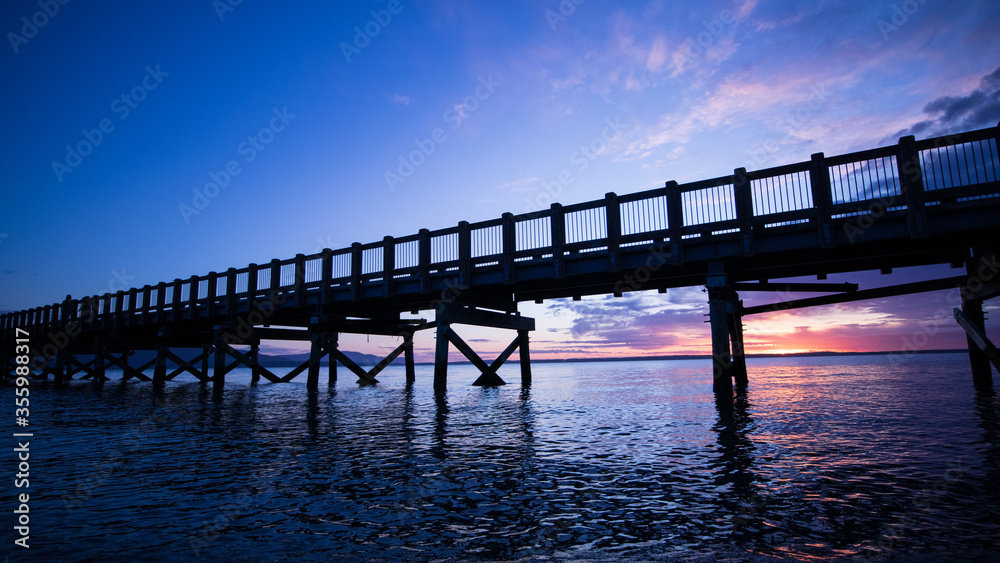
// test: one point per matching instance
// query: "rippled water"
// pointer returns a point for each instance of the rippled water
(844, 457)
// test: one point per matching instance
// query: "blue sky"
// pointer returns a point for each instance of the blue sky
(500, 99)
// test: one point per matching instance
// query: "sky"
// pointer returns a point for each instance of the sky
(328, 123)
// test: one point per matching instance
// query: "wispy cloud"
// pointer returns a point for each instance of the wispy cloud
(524, 184)
(401, 100)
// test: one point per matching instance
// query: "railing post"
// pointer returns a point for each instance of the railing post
(161, 301)
(64, 313)
(193, 297)
(105, 311)
(464, 254)
(275, 278)
(213, 293)
(819, 176)
(231, 292)
(744, 208)
(175, 306)
(508, 240)
(326, 275)
(300, 280)
(147, 305)
(388, 265)
(424, 260)
(911, 183)
(46, 311)
(613, 214)
(356, 267)
(133, 304)
(675, 220)
(251, 285)
(119, 309)
(558, 224)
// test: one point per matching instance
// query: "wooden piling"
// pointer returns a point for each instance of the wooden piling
(441, 355)
(525, 357)
(408, 358)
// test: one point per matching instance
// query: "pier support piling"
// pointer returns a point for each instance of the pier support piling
(332, 367)
(447, 315)
(726, 320)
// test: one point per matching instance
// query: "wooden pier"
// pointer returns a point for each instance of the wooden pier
(934, 201)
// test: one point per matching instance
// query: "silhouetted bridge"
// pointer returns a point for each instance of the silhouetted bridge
(933, 201)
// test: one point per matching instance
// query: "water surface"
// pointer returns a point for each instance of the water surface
(823, 458)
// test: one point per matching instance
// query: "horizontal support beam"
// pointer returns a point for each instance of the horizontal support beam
(798, 287)
(860, 295)
(477, 317)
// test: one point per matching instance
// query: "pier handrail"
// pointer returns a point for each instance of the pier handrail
(906, 178)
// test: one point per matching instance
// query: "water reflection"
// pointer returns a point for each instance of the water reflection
(741, 495)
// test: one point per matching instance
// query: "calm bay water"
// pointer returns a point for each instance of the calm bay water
(820, 458)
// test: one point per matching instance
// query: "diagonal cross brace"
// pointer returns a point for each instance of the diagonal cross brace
(489, 375)
(127, 370)
(349, 364)
(187, 366)
(978, 337)
(241, 358)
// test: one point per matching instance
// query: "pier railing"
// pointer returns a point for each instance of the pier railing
(906, 179)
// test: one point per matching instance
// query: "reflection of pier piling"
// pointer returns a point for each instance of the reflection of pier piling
(914, 203)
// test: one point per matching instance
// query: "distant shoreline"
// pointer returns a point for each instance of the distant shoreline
(709, 357)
